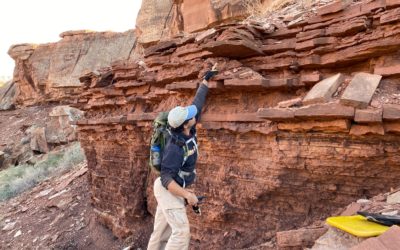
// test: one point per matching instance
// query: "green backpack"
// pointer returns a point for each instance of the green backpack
(159, 139)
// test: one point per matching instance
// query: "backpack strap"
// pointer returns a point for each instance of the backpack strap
(185, 146)
(182, 173)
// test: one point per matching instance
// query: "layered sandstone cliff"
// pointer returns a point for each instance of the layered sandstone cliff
(163, 19)
(159, 20)
(49, 72)
(262, 170)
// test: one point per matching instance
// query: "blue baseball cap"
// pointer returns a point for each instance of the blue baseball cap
(192, 111)
(178, 115)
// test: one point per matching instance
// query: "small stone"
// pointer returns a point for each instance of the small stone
(17, 233)
(289, 103)
(35, 240)
(393, 198)
(25, 140)
(363, 201)
(54, 238)
(375, 103)
(205, 34)
(9, 226)
(44, 193)
(58, 194)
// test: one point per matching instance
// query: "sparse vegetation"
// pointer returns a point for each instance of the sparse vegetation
(17, 179)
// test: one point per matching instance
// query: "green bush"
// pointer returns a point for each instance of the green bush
(17, 179)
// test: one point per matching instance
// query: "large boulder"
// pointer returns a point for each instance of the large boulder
(15, 154)
(60, 129)
(7, 96)
(38, 140)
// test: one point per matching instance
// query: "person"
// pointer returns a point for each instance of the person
(178, 171)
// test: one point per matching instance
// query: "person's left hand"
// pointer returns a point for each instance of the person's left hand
(209, 74)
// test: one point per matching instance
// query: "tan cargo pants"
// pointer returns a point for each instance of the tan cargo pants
(171, 224)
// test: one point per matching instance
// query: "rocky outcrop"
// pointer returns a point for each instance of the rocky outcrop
(388, 204)
(161, 20)
(261, 172)
(8, 93)
(49, 73)
(28, 133)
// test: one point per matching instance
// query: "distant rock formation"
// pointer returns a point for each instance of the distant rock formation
(56, 127)
(50, 72)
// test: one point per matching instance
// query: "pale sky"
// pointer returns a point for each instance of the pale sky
(41, 21)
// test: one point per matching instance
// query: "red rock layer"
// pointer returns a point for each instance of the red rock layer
(259, 176)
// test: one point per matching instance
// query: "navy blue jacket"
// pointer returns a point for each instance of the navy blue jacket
(173, 154)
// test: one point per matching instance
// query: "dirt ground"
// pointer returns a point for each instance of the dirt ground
(55, 215)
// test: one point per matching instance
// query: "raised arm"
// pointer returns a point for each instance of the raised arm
(200, 98)
(202, 91)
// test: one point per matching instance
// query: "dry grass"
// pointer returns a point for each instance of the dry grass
(17, 179)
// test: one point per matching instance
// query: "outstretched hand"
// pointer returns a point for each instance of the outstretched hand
(209, 74)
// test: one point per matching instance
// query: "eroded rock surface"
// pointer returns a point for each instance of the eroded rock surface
(159, 20)
(8, 93)
(50, 72)
(260, 174)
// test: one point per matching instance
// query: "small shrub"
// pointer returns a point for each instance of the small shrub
(17, 179)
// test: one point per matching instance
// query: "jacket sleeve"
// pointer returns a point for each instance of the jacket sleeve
(171, 163)
(200, 99)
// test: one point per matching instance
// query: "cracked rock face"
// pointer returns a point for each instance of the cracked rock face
(161, 19)
(263, 170)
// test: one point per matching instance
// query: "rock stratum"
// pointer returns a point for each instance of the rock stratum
(303, 119)
(268, 162)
